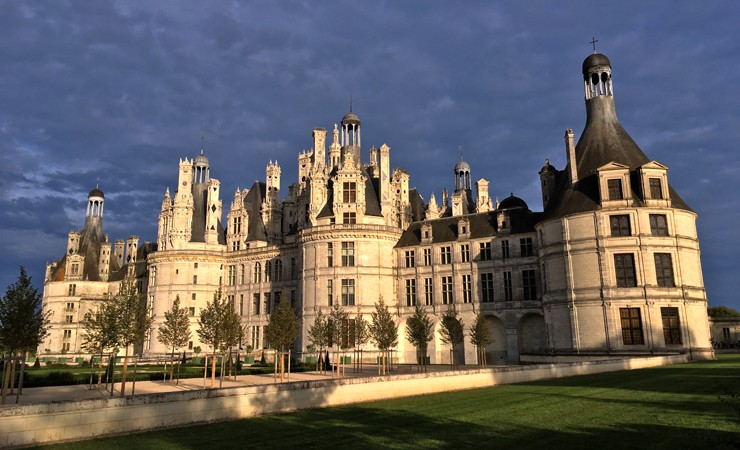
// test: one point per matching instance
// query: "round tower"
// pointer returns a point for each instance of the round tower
(201, 171)
(95, 200)
(462, 175)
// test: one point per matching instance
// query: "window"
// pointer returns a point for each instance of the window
(292, 268)
(256, 304)
(330, 291)
(330, 254)
(241, 304)
(242, 274)
(620, 225)
(75, 269)
(447, 298)
(508, 290)
(67, 334)
(485, 251)
(428, 291)
(278, 270)
(70, 306)
(446, 255)
(292, 298)
(190, 345)
(656, 192)
(658, 225)
(348, 333)
(427, 256)
(72, 290)
(193, 296)
(349, 218)
(277, 298)
(268, 271)
(725, 334)
(631, 326)
(255, 336)
(195, 265)
(348, 254)
(230, 300)
(529, 285)
(410, 259)
(411, 292)
(664, 270)
(349, 192)
(191, 310)
(624, 267)
(266, 305)
(526, 248)
(465, 253)
(615, 189)
(348, 292)
(505, 249)
(65, 346)
(232, 276)
(68, 319)
(237, 225)
(671, 326)
(486, 287)
(257, 273)
(467, 292)
(153, 276)
(195, 279)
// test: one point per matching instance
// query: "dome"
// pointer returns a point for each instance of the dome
(462, 166)
(96, 193)
(350, 119)
(547, 168)
(512, 202)
(200, 160)
(595, 59)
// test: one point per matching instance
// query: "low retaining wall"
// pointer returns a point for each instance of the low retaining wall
(75, 420)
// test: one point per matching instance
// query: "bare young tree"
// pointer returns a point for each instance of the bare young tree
(481, 336)
(419, 331)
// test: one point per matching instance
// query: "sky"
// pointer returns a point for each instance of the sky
(115, 93)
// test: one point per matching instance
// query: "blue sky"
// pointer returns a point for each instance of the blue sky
(119, 91)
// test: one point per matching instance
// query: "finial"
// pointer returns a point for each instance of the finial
(97, 182)
(201, 145)
(547, 161)
(593, 42)
(461, 152)
(350, 103)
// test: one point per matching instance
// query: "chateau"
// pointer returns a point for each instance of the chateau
(610, 267)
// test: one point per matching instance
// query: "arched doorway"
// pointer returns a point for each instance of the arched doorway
(496, 351)
(531, 332)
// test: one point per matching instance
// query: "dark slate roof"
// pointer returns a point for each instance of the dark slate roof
(417, 206)
(603, 140)
(482, 225)
(595, 59)
(512, 202)
(372, 202)
(96, 193)
(198, 226)
(253, 204)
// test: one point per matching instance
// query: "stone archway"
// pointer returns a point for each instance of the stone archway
(531, 334)
(496, 352)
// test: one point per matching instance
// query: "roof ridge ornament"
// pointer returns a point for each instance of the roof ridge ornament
(593, 42)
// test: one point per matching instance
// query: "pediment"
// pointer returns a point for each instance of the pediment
(654, 165)
(612, 166)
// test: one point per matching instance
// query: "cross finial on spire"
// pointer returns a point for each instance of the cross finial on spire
(350, 103)
(201, 144)
(97, 182)
(461, 152)
(593, 42)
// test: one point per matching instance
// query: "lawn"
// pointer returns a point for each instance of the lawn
(673, 407)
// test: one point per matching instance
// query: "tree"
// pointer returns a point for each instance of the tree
(100, 332)
(282, 329)
(362, 335)
(132, 321)
(384, 331)
(175, 330)
(218, 324)
(337, 318)
(722, 311)
(318, 336)
(23, 325)
(481, 336)
(419, 331)
(451, 331)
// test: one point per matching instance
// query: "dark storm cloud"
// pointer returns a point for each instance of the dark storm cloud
(119, 91)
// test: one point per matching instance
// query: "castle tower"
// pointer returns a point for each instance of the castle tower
(104, 261)
(183, 206)
(351, 136)
(165, 222)
(214, 211)
(335, 149)
(319, 147)
(271, 208)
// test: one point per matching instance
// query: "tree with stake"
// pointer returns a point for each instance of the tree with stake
(217, 323)
(22, 323)
(100, 333)
(132, 321)
(452, 331)
(318, 336)
(175, 330)
(419, 331)
(362, 335)
(281, 330)
(337, 318)
(384, 331)
(481, 336)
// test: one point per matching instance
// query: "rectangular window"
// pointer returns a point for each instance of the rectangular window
(631, 326)
(620, 225)
(68, 319)
(529, 285)
(195, 279)
(65, 346)
(348, 292)
(658, 226)
(243, 274)
(486, 287)
(191, 310)
(505, 249)
(624, 268)
(485, 251)
(277, 298)
(268, 271)
(427, 256)
(467, 291)
(465, 253)
(292, 298)
(410, 258)
(256, 305)
(526, 247)
(664, 270)
(725, 334)
(266, 304)
(70, 306)
(348, 254)
(255, 336)
(349, 192)
(330, 254)
(446, 255)
(615, 189)
(330, 291)
(190, 345)
(193, 296)
(232, 275)
(241, 304)
(508, 288)
(67, 334)
(656, 191)
(72, 290)
(278, 270)
(671, 326)
(349, 218)
(411, 292)
(292, 269)
(230, 300)
(428, 291)
(447, 298)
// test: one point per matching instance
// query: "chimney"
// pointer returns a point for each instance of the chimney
(570, 154)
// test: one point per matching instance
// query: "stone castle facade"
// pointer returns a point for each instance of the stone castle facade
(611, 266)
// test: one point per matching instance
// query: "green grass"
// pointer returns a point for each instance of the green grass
(672, 407)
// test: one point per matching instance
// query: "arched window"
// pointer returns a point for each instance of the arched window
(268, 271)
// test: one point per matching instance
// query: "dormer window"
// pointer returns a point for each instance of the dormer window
(656, 190)
(349, 192)
(654, 180)
(615, 189)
